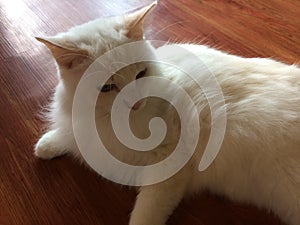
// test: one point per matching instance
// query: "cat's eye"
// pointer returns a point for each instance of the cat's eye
(108, 87)
(141, 74)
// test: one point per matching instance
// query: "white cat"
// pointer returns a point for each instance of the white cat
(259, 161)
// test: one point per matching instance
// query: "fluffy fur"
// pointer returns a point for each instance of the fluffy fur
(259, 161)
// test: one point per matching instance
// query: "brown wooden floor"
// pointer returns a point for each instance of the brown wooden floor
(35, 192)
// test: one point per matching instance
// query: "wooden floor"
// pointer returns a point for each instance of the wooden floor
(35, 192)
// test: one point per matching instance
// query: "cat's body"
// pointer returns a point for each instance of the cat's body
(259, 159)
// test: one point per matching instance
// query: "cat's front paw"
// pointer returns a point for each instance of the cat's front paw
(46, 147)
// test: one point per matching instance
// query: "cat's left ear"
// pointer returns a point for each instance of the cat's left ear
(65, 54)
(134, 22)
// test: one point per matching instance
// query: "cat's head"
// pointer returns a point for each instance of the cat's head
(76, 49)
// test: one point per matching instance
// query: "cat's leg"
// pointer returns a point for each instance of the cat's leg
(155, 203)
(50, 145)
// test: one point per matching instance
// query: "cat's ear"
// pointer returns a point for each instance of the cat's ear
(134, 22)
(65, 56)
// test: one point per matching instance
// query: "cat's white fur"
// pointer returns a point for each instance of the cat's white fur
(259, 162)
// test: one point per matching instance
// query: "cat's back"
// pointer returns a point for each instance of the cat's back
(258, 92)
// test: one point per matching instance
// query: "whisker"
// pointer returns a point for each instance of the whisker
(75, 54)
(165, 28)
(119, 75)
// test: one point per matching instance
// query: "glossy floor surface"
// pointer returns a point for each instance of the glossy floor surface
(60, 191)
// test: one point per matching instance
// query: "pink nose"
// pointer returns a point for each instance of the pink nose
(137, 105)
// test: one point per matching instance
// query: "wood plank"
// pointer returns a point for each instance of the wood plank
(61, 191)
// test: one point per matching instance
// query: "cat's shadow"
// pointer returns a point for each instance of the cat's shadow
(80, 193)
(69, 184)
(209, 209)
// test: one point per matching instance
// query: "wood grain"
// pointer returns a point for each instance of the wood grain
(35, 192)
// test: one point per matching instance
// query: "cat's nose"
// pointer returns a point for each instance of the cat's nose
(137, 105)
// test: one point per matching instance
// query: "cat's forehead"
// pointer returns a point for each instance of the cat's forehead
(99, 36)
(103, 26)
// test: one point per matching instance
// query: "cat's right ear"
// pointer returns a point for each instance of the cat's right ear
(66, 56)
(134, 22)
